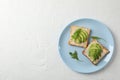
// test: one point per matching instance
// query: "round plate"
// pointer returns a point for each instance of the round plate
(97, 29)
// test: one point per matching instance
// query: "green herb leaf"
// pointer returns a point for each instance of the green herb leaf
(74, 55)
(97, 38)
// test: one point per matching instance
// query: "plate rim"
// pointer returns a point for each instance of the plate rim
(67, 63)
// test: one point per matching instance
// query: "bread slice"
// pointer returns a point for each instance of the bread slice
(104, 52)
(72, 30)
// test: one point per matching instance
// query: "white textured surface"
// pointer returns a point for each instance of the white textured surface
(29, 31)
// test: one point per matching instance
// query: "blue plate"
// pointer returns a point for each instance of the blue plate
(97, 29)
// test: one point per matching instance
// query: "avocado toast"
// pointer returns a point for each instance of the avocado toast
(95, 52)
(79, 36)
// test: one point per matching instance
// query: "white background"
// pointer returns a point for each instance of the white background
(29, 32)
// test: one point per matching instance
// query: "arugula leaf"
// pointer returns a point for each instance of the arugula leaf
(74, 55)
(97, 38)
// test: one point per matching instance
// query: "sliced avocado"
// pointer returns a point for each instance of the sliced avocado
(80, 35)
(83, 36)
(98, 46)
(95, 51)
(77, 40)
(85, 33)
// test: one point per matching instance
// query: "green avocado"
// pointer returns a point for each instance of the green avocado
(83, 36)
(80, 36)
(95, 51)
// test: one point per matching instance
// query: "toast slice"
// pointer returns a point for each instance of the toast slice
(102, 53)
(83, 42)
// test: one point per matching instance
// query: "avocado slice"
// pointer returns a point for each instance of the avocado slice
(84, 37)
